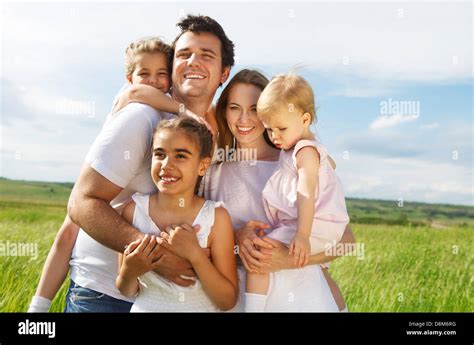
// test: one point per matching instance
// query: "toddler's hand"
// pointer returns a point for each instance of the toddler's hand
(301, 249)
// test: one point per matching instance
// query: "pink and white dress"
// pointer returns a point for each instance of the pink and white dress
(280, 200)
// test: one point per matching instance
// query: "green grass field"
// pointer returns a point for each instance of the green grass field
(418, 257)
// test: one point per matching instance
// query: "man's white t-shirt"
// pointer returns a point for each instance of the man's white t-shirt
(122, 154)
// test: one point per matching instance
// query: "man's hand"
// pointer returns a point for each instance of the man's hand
(249, 240)
(172, 267)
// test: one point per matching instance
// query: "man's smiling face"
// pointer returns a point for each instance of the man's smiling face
(197, 66)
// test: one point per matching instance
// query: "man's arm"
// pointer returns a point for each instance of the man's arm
(113, 161)
(282, 260)
(89, 207)
(347, 243)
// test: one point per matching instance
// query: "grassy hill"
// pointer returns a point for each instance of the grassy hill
(361, 211)
(34, 192)
(364, 211)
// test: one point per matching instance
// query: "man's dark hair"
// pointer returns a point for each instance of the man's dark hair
(204, 24)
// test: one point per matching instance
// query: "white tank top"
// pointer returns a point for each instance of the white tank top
(158, 294)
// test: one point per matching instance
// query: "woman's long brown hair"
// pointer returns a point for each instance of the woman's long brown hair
(245, 76)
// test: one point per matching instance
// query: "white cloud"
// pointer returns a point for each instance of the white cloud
(430, 126)
(360, 91)
(365, 39)
(386, 121)
(39, 100)
(43, 162)
(407, 178)
(416, 165)
(57, 105)
(43, 108)
(455, 140)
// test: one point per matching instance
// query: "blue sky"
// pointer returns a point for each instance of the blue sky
(357, 55)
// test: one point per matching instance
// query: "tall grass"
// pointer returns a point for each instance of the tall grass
(26, 223)
(407, 270)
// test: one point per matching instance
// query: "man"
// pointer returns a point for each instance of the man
(118, 165)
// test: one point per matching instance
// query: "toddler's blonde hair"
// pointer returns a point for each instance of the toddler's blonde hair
(289, 91)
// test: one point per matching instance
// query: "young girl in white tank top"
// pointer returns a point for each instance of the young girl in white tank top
(175, 219)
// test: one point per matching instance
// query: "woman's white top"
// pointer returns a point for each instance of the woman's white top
(239, 184)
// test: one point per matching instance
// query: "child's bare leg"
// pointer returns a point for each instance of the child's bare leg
(257, 289)
(258, 283)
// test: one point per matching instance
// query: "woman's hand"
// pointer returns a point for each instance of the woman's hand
(250, 242)
(280, 257)
(182, 241)
(139, 257)
(282, 260)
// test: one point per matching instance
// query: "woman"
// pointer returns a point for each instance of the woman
(249, 159)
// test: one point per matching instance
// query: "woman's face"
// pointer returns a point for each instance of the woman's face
(241, 113)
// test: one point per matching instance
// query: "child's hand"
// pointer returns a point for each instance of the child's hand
(301, 249)
(199, 119)
(182, 241)
(138, 258)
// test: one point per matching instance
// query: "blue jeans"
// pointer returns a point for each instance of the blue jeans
(84, 300)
